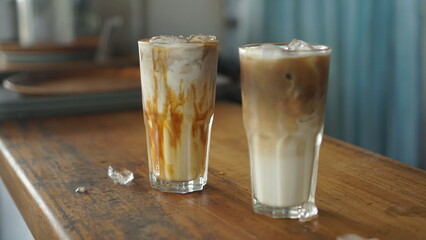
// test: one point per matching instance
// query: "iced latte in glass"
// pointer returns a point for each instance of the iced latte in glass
(178, 78)
(284, 92)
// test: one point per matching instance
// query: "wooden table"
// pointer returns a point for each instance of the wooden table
(43, 161)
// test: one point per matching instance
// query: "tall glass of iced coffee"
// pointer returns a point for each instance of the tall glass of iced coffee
(178, 78)
(284, 92)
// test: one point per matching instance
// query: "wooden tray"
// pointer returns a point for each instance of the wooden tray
(68, 82)
(82, 48)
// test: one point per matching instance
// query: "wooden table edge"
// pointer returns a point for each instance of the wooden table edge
(29, 203)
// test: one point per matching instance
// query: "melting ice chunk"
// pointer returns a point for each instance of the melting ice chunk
(296, 45)
(201, 38)
(120, 177)
(308, 212)
(351, 236)
(168, 39)
(81, 189)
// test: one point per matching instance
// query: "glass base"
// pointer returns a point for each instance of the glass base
(178, 186)
(305, 212)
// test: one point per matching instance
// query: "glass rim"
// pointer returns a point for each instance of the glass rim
(323, 49)
(145, 41)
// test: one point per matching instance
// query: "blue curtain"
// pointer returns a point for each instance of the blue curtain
(377, 78)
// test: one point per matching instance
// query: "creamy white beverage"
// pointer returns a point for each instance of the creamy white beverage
(178, 78)
(284, 92)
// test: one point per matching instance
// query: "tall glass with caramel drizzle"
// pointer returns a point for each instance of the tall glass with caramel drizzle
(178, 78)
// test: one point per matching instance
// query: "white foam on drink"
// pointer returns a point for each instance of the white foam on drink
(270, 51)
(170, 40)
(296, 48)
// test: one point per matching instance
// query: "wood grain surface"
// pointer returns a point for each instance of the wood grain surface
(43, 161)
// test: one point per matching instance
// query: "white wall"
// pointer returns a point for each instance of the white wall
(185, 17)
(12, 225)
(147, 18)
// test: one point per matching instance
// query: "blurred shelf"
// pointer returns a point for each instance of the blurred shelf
(6, 67)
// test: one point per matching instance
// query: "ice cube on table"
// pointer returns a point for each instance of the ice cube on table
(297, 45)
(351, 236)
(201, 38)
(168, 39)
(81, 189)
(120, 177)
